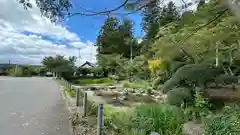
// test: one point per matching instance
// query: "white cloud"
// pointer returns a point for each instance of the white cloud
(31, 48)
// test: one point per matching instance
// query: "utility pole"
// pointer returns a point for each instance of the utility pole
(131, 52)
(217, 55)
(131, 55)
(79, 54)
(131, 58)
(16, 68)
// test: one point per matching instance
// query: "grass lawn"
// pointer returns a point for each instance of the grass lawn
(126, 84)
(91, 81)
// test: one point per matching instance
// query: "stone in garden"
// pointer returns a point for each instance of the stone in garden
(122, 98)
(137, 94)
(98, 94)
(133, 91)
(125, 93)
(158, 97)
(191, 128)
(112, 87)
(114, 98)
(153, 96)
(144, 94)
(142, 91)
(154, 133)
(164, 97)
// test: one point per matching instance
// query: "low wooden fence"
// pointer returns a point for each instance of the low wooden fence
(84, 101)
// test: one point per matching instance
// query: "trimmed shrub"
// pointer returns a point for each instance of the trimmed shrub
(157, 82)
(227, 123)
(193, 75)
(178, 96)
(226, 80)
(175, 66)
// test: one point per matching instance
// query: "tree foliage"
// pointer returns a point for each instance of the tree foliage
(193, 75)
(59, 64)
(115, 43)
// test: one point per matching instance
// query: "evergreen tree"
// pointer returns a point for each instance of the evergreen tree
(169, 14)
(151, 16)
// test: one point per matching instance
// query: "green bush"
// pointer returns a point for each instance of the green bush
(114, 117)
(228, 123)
(162, 118)
(16, 72)
(193, 75)
(199, 109)
(158, 81)
(226, 79)
(91, 108)
(84, 71)
(72, 93)
(97, 71)
(174, 66)
(178, 96)
(145, 118)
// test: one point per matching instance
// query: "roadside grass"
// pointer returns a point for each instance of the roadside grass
(71, 93)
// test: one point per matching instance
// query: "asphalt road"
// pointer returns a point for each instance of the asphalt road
(32, 106)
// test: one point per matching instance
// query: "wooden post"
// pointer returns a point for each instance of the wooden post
(85, 104)
(99, 122)
(77, 97)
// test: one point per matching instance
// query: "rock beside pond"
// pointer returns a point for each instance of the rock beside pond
(125, 93)
(122, 98)
(136, 94)
(191, 128)
(159, 97)
(142, 91)
(133, 91)
(112, 87)
(114, 98)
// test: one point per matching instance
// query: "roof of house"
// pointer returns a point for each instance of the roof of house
(88, 64)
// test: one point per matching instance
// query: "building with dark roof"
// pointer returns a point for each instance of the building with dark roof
(87, 64)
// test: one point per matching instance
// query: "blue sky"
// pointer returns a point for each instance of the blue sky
(87, 28)
(27, 37)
